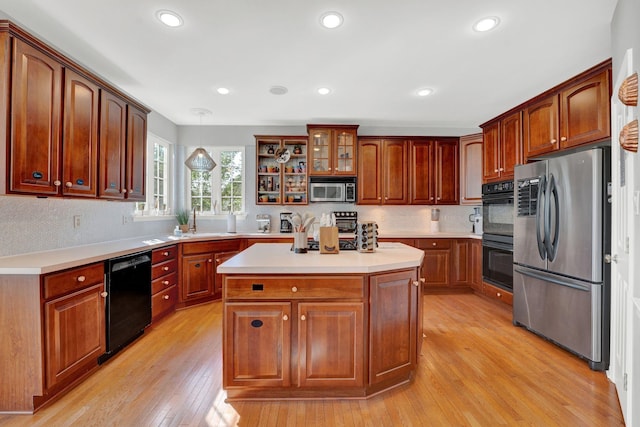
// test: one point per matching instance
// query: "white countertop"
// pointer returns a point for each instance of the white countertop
(60, 259)
(277, 258)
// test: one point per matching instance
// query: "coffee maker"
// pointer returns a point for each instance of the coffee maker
(476, 220)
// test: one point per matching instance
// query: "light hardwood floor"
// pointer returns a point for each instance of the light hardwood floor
(476, 369)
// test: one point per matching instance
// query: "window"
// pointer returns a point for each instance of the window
(158, 178)
(222, 189)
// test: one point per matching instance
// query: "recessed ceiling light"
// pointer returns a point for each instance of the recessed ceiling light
(486, 24)
(169, 18)
(331, 20)
(278, 90)
(324, 91)
(425, 92)
(222, 91)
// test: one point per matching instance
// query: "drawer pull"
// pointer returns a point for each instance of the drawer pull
(165, 268)
(103, 294)
(434, 244)
(165, 253)
(256, 323)
(423, 280)
(165, 282)
(303, 317)
(294, 289)
(499, 295)
(81, 278)
(165, 296)
(416, 283)
(285, 317)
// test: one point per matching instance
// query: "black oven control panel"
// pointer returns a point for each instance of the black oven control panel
(497, 187)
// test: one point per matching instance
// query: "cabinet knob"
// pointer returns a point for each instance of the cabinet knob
(165, 296)
(379, 198)
(563, 138)
(165, 282)
(81, 278)
(553, 141)
(209, 260)
(434, 244)
(303, 317)
(166, 268)
(438, 198)
(499, 295)
(416, 283)
(285, 317)
(57, 183)
(124, 190)
(386, 198)
(103, 294)
(68, 184)
(501, 169)
(294, 289)
(423, 280)
(496, 170)
(165, 253)
(430, 198)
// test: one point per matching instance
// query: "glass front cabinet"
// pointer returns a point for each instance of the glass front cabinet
(281, 176)
(332, 149)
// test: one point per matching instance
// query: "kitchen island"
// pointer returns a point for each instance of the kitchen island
(314, 325)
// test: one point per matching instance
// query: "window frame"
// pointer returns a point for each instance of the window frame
(149, 210)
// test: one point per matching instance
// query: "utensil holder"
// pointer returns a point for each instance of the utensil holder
(367, 236)
(300, 242)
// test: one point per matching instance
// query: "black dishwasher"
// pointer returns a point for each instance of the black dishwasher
(128, 302)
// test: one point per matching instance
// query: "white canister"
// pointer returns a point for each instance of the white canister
(231, 223)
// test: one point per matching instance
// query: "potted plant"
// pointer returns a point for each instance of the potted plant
(182, 216)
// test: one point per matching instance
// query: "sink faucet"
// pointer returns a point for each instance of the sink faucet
(193, 229)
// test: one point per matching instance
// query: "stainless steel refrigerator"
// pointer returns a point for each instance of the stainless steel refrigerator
(561, 285)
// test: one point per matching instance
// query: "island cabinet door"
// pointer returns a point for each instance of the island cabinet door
(331, 344)
(393, 316)
(257, 344)
(197, 276)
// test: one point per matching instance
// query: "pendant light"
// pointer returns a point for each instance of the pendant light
(200, 160)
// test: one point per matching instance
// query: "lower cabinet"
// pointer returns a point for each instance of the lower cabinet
(306, 336)
(164, 281)
(476, 264)
(74, 324)
(450, 264)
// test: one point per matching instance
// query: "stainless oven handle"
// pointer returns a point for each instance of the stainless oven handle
(497, 245)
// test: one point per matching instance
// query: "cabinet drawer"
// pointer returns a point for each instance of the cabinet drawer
(164, 302)
(70, 280)
(497, 293)
(158, 270)
(164, 254)
(213, 246)
(433, 243)
(294, 287)
(163, 282)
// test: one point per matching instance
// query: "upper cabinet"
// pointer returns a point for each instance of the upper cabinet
(471, 169)
(576, 114)
(502, 147)
(382, 171)
(64, 132)
(434, 171)
(333, 149)
(281, 176)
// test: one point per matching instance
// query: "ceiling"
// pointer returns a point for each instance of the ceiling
(374, 63)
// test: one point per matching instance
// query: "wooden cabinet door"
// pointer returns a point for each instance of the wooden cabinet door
(460, 267)
(510, 150)
(471, 169)
(113, 134)
(446, 180)
(436, 267)
(421, 172)
(541, 127)
(585, 112)
(197, 276)
(491, 152)
(257, 344)
(74, 334)
(344, 150)
(36, 104)
(80, 137)
(476, 264)
(136, 154)
(320, 155)
(393, 335)
(395, 159)
(369, 172)
(330, 344)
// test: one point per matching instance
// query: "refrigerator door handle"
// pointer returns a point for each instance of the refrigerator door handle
(539, 213)
(552, 278)
(547, 218)
(552, 249)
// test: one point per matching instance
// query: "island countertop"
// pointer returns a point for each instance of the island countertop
(277, 258)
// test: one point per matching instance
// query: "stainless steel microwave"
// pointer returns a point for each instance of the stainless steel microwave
(332, 189)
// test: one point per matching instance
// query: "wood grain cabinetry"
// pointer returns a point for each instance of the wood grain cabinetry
(576, 113)
(471, 169)
(74, 324)
(497, 293)
(383, 176)
(164, 281)
(502, 147)
(434, 171)
(332, 149)
(448, 264)
(56, 114)
(476, 264)
(281, 183)
(198, 270)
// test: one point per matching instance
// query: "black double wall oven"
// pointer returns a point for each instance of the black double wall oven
(497, 237)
